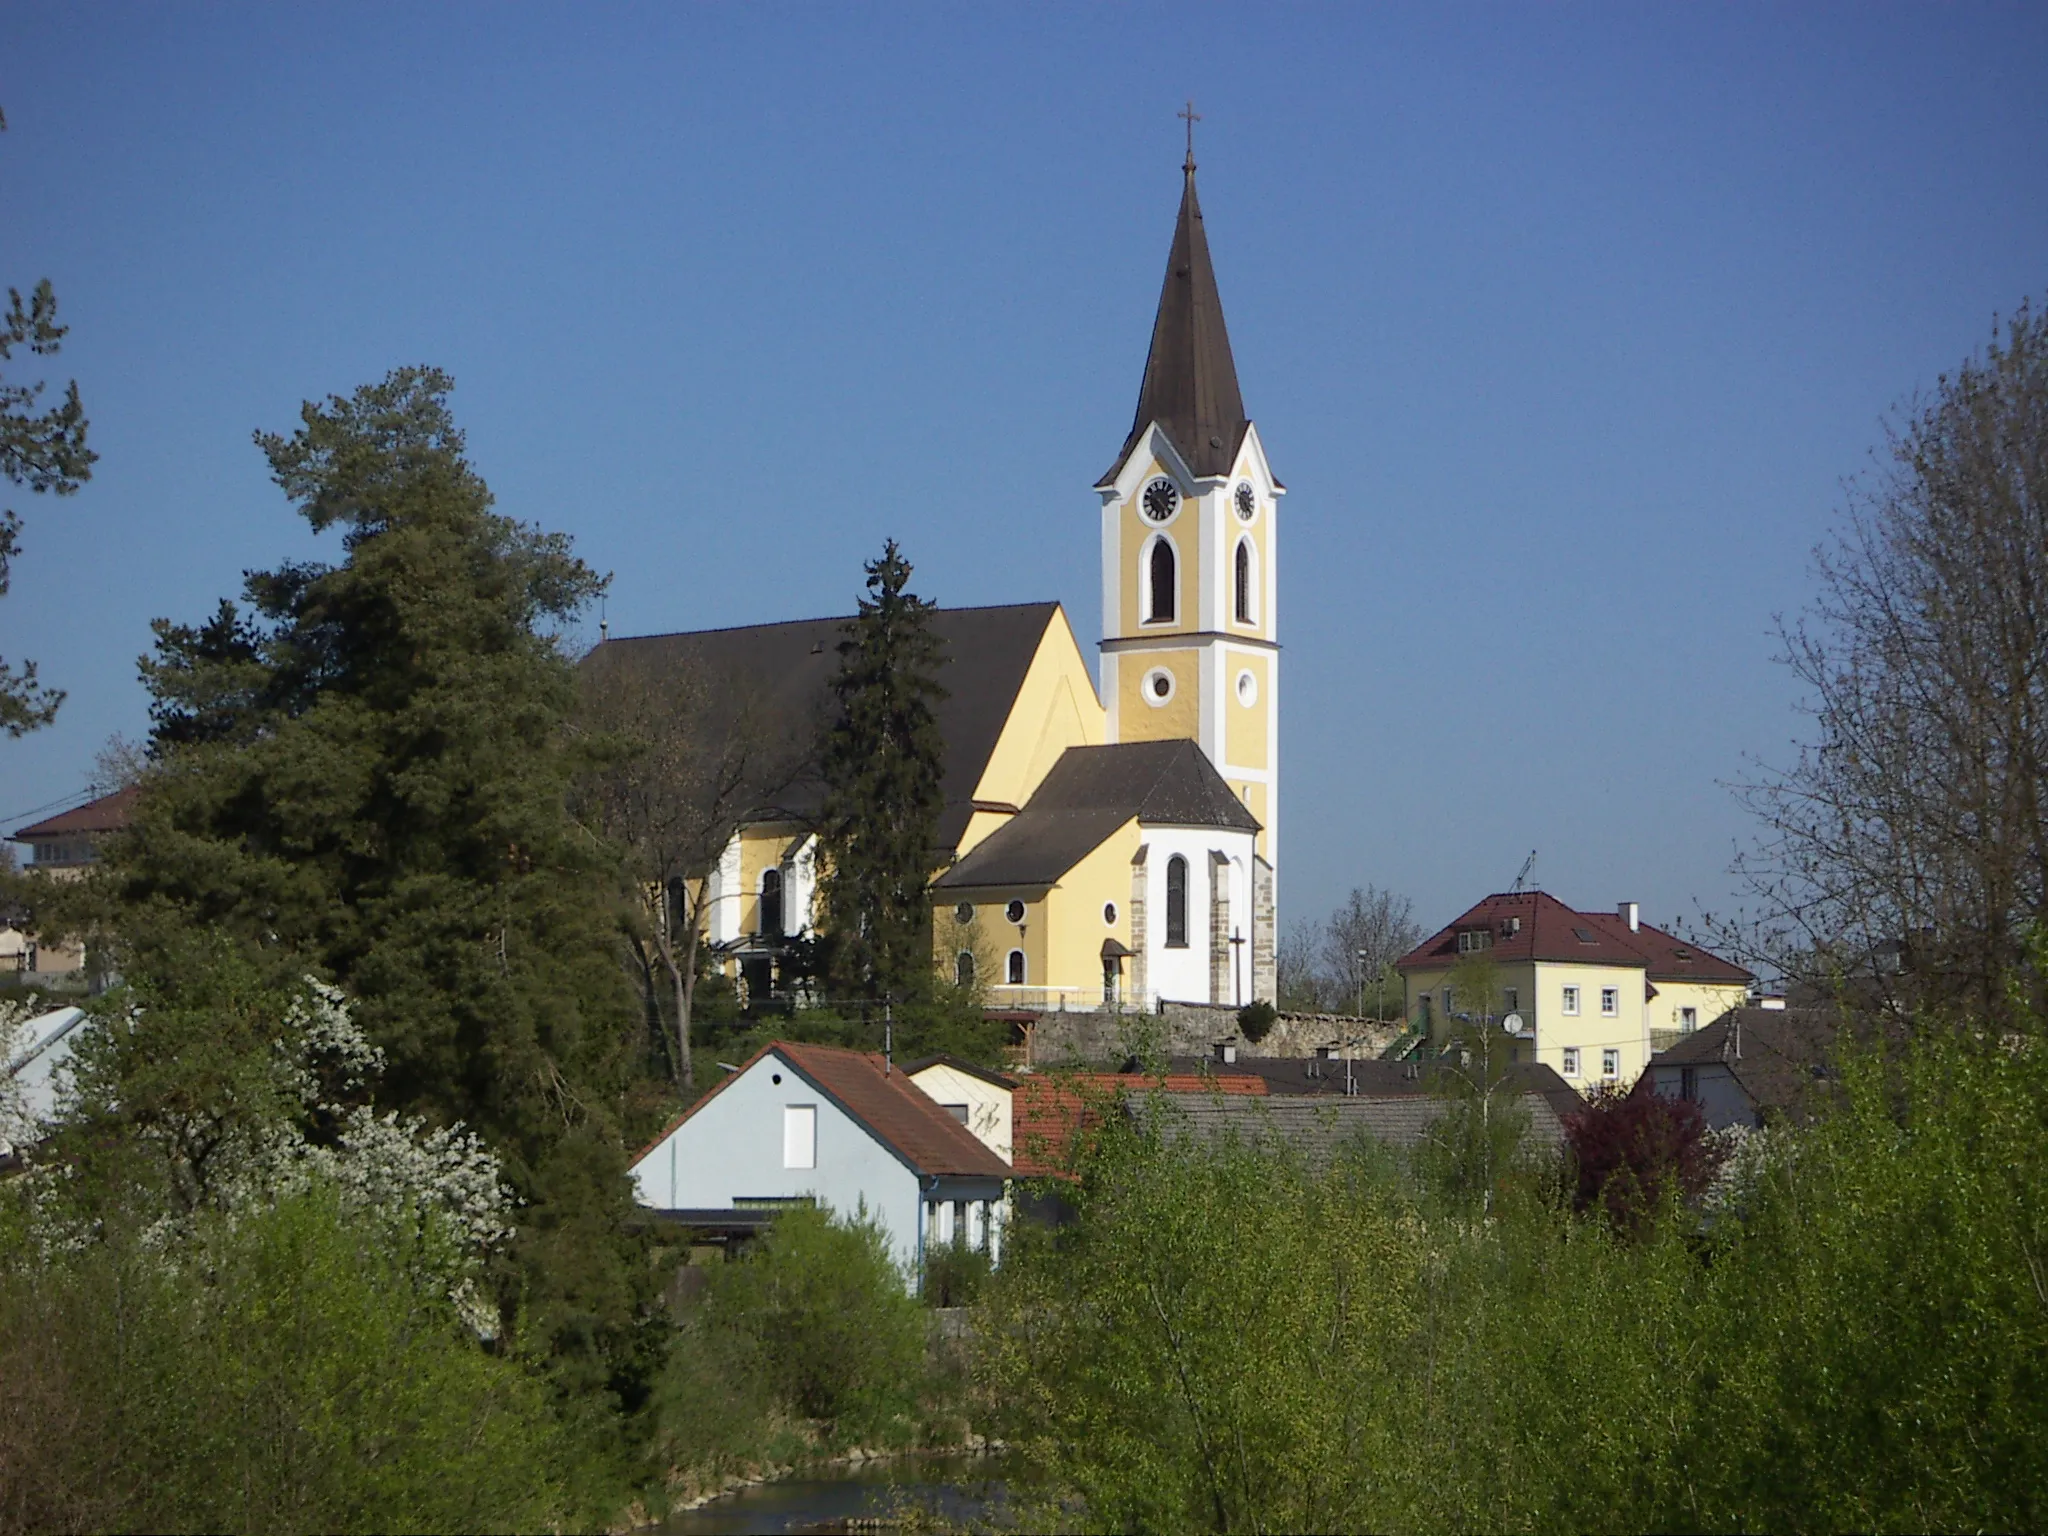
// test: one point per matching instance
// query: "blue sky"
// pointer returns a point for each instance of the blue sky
(1563, 326)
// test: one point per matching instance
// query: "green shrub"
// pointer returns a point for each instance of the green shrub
(1255, 1020)
(811, 1331)
(281, 1373)
(954, 1275)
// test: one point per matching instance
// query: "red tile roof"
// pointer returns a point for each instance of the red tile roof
(893, 1110)
(1534, 925)
(109, 813)
(1049, 1112)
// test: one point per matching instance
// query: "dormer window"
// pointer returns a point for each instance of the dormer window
(1473, 940)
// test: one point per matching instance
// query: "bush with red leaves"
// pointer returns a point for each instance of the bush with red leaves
(1629, 1149)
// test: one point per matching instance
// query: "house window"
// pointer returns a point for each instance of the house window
(1159, 609)
(963, 968)
(1014, 911)
(1449, 1007)
(1423, 1012)
(1571, 1061)
(1176, 902)
(1610, 1063)
(957, 1111)
(1514, 998)
(1016, 967)
(1688, 1020)
(1689, 1084)
(1246, 614)
(1610, 1001)
(1472, 940)
(771, 904)
(799, 1135)
(1571, 1000)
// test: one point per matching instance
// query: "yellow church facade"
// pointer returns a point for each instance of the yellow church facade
(1106, 839)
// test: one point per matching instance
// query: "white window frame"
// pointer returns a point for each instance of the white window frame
(1016, 969)
(1688, 1019)
(1610, 1002)
(1571, 1061)
(1571, 1001)
(1610, 1064)
(799, 1136)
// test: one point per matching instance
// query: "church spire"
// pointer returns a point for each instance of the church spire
(1190, 385)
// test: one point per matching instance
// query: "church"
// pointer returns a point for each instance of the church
(1107, 841)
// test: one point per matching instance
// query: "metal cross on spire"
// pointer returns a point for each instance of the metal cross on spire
(1191, 117)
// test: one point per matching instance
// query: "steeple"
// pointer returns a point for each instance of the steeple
(1190, 384)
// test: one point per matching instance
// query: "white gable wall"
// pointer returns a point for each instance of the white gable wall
(988, 1107)
(731, 1149)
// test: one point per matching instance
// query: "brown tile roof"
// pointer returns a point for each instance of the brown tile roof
(894, 1110)
(109, 813)
(1550, 930)
(1049, 1112)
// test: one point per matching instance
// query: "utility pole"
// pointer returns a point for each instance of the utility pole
(1361, 983)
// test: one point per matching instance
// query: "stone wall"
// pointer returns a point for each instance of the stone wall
(1192, 1029)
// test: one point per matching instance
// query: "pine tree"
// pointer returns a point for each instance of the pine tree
(884, 763)
(365, 775)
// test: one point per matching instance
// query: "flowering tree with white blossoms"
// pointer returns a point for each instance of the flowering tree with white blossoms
(234, 1112)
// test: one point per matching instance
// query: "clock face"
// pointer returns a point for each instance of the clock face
(1247, 502)
(1161, 497)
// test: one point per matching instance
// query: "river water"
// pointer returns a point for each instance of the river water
(957, 1488)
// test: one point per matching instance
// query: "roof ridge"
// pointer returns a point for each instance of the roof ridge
(829, 618)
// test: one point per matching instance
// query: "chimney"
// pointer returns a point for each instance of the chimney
(1226, 1050)
(1630, 913)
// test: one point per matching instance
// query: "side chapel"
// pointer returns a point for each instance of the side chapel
(1110, 848)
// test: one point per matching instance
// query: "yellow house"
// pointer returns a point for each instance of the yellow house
(1591, 994)
(1111, 848)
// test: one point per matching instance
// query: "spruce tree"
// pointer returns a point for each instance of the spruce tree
(884, 765)
(364, 775)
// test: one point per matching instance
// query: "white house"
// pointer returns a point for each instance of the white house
(841, 1129)
(1751, 1066)
(31, 1064)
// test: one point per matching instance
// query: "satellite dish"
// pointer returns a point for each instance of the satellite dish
(1512, 1023)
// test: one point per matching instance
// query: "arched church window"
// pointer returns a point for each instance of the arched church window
(1246, 614)
(771, 904)
(1016, 967)
(1159, 607)
(1176, 902)
(963, 968)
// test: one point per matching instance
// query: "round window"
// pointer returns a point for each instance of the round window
(1158, 687)
(964, 913)
(1109, 912)
(777, 1077)
(1161, 500)
(1247, 689)
(1014, 911)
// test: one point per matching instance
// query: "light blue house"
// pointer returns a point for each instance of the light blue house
(836, 1127)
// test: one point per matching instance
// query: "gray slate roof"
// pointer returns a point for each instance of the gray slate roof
(1190, 385)
(783, 672)
(1090, 792)
(1780, 1056)
(1294, 1075)
(1318, 1127)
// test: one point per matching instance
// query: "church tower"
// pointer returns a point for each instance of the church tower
(1189, 522)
